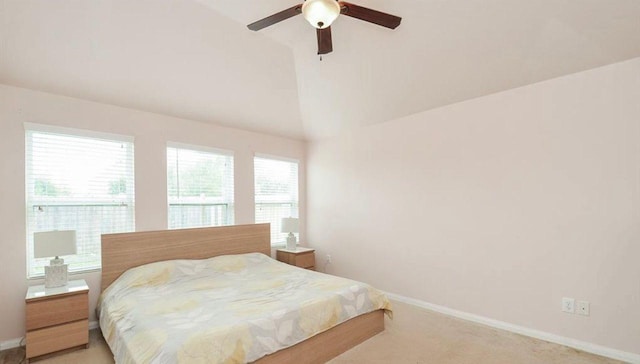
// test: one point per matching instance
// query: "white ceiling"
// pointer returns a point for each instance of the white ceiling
(196, 59)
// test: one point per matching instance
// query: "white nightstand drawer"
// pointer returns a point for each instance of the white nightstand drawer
(306, 260)
(57, 310)
(54, 338)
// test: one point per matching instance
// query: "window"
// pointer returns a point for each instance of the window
(77, 180)
(199, 187)
(276, 189)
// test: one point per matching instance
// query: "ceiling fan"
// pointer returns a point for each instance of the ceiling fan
(321, 13)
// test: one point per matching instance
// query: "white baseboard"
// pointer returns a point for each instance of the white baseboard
(93, 325)
(10, 344)
(14, 343)
(573, 343)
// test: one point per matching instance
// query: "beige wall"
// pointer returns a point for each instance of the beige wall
(151, 132)
(497, 206)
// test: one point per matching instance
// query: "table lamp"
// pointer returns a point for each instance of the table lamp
(49, 244)
(290, 225)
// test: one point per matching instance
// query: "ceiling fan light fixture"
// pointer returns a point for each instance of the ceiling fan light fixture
(320, 13)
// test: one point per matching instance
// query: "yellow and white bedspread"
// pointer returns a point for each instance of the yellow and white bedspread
(227, 309)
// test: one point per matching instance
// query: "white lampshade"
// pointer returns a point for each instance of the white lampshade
(320, 13)
(289, 225)
(54, 243)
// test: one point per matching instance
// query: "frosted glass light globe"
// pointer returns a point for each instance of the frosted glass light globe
(320, 13)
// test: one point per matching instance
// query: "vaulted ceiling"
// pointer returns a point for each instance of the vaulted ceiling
(196, 59)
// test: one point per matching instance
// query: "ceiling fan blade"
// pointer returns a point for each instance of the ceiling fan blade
(276, 18)
(324, 40)
(370, 15)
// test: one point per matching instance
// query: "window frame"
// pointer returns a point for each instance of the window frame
(32, 201)
(228, 201)
(275, 201)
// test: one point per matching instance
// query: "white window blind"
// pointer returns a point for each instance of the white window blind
(77, 182)
(199, 187)
(276, 193)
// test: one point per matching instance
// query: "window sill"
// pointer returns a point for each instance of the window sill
(74, 273)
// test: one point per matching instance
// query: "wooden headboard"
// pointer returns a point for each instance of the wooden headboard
(127, 250)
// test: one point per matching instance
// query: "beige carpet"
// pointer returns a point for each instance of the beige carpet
(414, 336)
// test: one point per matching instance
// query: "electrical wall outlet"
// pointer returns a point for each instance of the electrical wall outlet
(327, 259)
(568, 305)
(582, 308)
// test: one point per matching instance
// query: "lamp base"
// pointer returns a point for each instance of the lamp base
(291, 242)
(55, 275)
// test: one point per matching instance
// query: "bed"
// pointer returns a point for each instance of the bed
(229, 249)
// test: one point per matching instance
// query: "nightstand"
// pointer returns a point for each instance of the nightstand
(57, 318)
(301, 257)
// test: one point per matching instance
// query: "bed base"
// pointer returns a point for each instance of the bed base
(331, 343)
